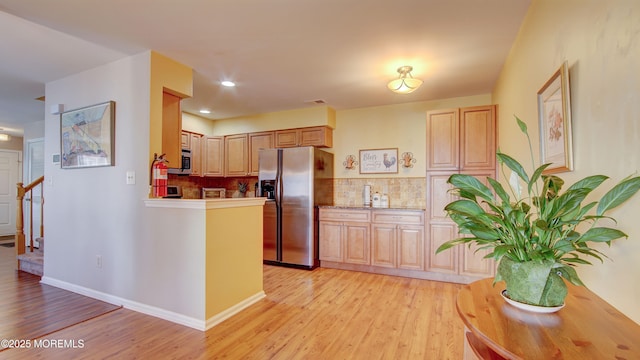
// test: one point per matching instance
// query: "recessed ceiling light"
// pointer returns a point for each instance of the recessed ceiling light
(205, 111)
(228, 83)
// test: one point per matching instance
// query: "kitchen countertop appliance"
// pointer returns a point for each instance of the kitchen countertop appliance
(295, 181)
(214, 193)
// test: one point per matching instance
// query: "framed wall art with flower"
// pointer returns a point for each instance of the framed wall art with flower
(554, 112)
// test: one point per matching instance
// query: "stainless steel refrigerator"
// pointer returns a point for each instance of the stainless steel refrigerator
(295, 181)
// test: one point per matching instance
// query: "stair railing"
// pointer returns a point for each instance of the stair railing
(22, 192)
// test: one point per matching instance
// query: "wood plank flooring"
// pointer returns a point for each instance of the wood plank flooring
(320, 314)
(29, 310)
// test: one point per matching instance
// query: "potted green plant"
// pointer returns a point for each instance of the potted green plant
(541, 233)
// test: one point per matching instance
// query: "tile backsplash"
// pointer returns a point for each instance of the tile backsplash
(402, 192)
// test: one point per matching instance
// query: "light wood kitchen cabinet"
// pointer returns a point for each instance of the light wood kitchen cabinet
(236, 150)
(458, 141)
(196, 145)
(461, 139)
(258, 141)
(443, 136)
(400, 233)
(385, 239)
(478, 138)
(459, 260)
(213, 156)
(344, 236)
(319, 136)
(185, 139)
(194, 142)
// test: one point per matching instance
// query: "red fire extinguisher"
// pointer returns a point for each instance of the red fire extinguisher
(159, 177)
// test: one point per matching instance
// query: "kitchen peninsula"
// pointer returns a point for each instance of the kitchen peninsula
(213, 254)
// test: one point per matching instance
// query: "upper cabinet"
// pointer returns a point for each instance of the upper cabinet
(258, 141)
(236, 150)
(213, 156)
(461, 139)
(319, 136)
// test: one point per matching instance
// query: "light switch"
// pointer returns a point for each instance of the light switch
(131, 177)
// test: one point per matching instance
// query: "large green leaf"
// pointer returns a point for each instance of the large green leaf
(601, 234)
(590, 182)
(536, 175)
(464, 207)
(618, 194)
(502, 194)
(514, 165)
(470, 184)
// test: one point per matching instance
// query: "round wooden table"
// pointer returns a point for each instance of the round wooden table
(586, 328)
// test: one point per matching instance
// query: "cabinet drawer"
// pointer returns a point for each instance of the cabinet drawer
(345, 215)
(398, 217)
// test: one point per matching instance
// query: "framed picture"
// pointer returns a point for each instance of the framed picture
(554, 112)
(87, 136)
(379, 161)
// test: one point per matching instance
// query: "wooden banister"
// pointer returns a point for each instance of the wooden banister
(22, 191)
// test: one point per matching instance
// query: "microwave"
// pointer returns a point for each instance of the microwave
(185, 164)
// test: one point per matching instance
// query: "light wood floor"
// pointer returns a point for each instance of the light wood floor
(320, 314)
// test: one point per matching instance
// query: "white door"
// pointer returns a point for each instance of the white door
(34, 162)
(9, 176)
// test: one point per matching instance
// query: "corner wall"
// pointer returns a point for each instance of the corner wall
(600, 40)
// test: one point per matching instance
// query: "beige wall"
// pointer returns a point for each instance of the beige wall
(402, 126)
(600, 40)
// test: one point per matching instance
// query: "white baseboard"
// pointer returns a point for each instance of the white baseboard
(191, 322)
(225, 314)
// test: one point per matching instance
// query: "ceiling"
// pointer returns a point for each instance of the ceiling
(282, 54)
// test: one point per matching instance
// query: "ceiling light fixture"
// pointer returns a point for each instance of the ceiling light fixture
(405, 83)
(228, 83)
(205, 111)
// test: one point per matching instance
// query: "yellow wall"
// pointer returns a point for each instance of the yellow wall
(400, 126)
(166, 74)
(233, 257)
(599, 40)
(197, 124)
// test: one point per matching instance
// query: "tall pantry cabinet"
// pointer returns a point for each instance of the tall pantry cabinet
(458, 141)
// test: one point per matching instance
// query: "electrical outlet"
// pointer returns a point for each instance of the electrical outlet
(99, 261)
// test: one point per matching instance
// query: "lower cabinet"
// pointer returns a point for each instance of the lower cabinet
(394, 242)
(344, 236)
(382, 238)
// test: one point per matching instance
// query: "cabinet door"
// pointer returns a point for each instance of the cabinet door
(446, 261)
(286, 138)
(257, 141)
(330, 241)
(410, 247)
(213, 156)
(236, 152)
(185, 139)
(471, 262)
(195, 141)
(383, 245)
(478, 137)
(316, 136)
(443, 140)
(357, 241)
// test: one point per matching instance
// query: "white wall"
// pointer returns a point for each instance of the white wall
(92, 211)
(600, 40)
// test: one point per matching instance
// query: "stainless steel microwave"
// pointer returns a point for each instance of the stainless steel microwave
(185, 165)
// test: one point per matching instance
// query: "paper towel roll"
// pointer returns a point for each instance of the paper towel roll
(366, 195)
